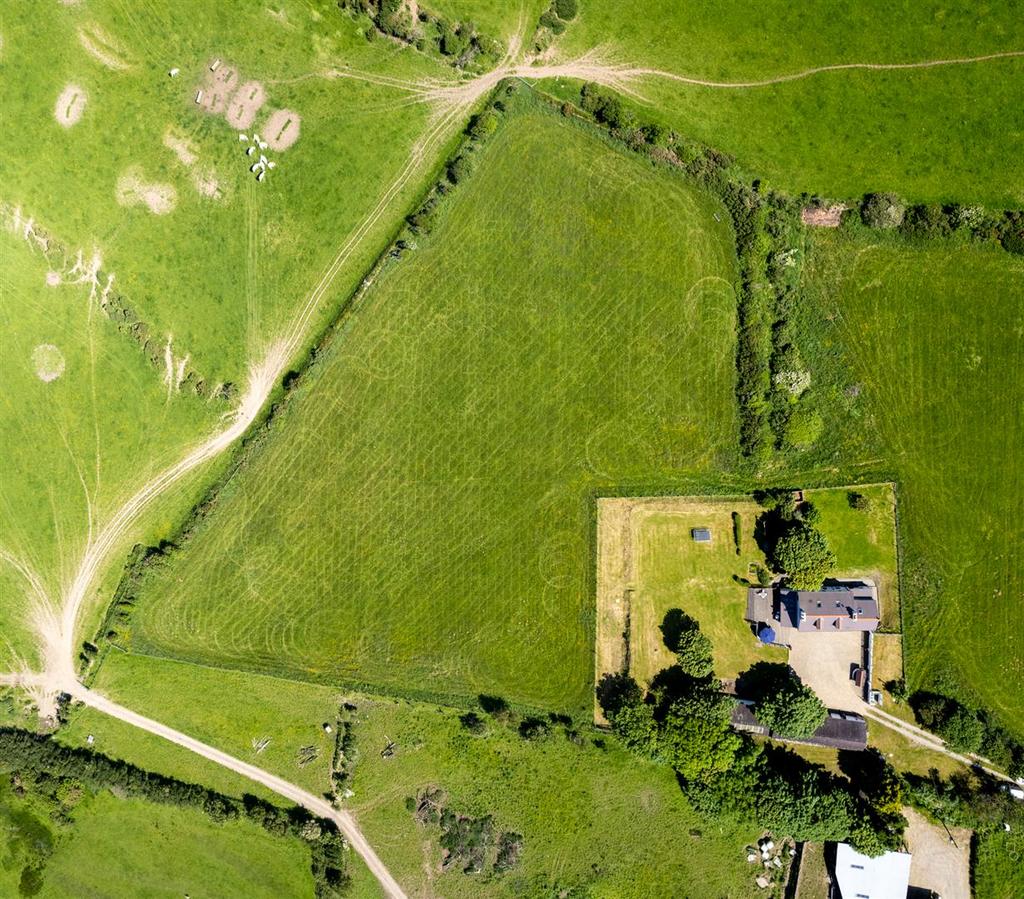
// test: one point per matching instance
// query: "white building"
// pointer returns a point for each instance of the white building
(862, 877)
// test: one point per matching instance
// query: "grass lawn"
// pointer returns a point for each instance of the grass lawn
(948, 133)
(123, 847)
(594, 821)
(422, 519)
(864, 541)
(934, 337)
(998, 873)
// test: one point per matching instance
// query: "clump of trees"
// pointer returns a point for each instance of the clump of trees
(791, 542)
(969, 730)
(788, 707)
(467, 842)
(804, 555)
(883, 210)
(683, 720)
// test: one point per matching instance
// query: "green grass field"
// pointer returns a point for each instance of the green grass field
(935, 338)
(223, 274)
(74, 447)
(949, 133)
(595, 821)
(120, 847)
(422, 521)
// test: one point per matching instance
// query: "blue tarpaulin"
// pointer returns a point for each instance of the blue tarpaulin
(766, 634)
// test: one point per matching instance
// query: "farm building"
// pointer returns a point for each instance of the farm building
(838, 607)
(841, 730)
(700, 535)
(859, 876)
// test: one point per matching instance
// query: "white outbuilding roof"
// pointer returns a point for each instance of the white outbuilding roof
(862, 877)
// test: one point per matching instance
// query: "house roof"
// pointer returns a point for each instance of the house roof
(862, 877)
(839, 608)
(841, 730)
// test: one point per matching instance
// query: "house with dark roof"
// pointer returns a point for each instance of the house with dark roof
(841, 730)
(837, 606)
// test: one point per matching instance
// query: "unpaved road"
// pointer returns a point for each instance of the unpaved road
(318, 806)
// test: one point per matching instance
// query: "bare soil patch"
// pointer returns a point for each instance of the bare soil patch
(206, 183)
(181, 147)
(245, 104)
(48, 362)
(282, 129)
(133, 189)
(823, 216)
(217, 88)
(70, 106)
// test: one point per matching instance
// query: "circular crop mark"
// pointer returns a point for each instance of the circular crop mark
(48, 362)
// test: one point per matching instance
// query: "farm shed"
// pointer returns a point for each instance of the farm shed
(700, 535)
(862, 877)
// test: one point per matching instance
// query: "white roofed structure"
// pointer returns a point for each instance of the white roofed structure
(862, 877)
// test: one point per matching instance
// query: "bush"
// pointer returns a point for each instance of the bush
(459, 168)
(858, 501)
(551, 21)
(926, 220)
(885, 211)
(601, 104)
(962, 730)
(565, 9)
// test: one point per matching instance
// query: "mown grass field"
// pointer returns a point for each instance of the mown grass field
(221, 274)
(951, 133)
(422, 518)
(934, 336)
(594, 820)
(120, 847)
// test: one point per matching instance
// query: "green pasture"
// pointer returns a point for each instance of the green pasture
(939, 134)
(236, 709)
(74, 447)
(594, 819)
(223, 276)
(164, 851)
(933, 336)
(118, 847)
(422, 519)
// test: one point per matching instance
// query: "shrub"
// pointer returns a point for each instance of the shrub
(858, 501)
(603, 105)
(459, 168)
(736, 533)
(565, 9)
(897, 689)
(804, 427)
(926, 220)
(808, 513)
(1012, 234)
(551, 21)
(483, 125)
(885, 211)
(962, 730)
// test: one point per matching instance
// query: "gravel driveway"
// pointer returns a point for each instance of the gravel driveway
(823, 662)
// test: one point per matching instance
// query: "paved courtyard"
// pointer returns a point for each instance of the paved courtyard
(823, 662)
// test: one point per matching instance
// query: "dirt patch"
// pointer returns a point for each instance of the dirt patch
(245, 104)
(181, 147)
(48, 362)
(823, 216)
(282, 129)
(938, 864)
(215, 91)
(70, 106)
(133, 189)
(102, 47)
(53, 279)
(206, 183)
